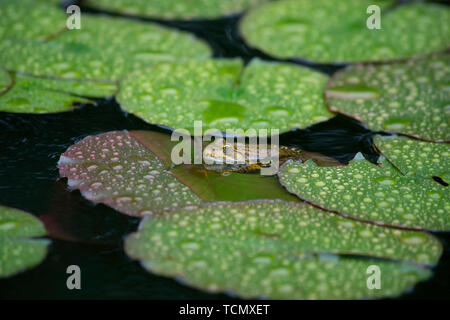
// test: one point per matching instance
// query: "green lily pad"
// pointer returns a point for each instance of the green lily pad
(414, 157)
(40, 95)
(18, 250)
(180, 9)
(374, 193)
(115, 169)
(104, 48)
(30, 19)
(225, 95)
(279, 250)
(330, 31)
(411, 98)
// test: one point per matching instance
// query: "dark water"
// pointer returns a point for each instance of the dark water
(30, 149)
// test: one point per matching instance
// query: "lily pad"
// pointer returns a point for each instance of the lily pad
(18, 248)
(418, 158)
(115, 169)
(225, 95)
(373, 193)
(330, 31)
(179, 9)
(104, 48)
(41, 95)
(411, 98)
(279, 250)
(30, 19)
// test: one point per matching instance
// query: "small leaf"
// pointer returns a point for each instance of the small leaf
(18, 251)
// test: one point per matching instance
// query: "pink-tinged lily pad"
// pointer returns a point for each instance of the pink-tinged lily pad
(115, 169)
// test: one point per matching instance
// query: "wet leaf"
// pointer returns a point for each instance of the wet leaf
(40, 95)
(115, 169)
(225, 95)
(418, 158)
(18, 248)
(330, 31)
(180, 9)
(30, 19)
(279, 250)
(104, 48)
(375, 193)
(411, 98)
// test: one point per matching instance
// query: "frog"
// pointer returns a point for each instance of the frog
(235, 156)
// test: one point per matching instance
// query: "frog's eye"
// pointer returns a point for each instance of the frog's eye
(226, 147)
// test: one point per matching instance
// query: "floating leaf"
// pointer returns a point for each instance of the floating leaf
(225, 95)
(104, 48)
(29, 19)
(414, 157)
(40, 95)
(184, 9)
(411, 98)
(330, 31)
(115, 169)
(18, 251)
(369, 192)
(279, 250)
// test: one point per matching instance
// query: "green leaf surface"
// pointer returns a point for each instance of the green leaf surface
(175, 9)
(115, 169)
(18, 250)
(225, 95)
(104, 48)
(29, 19)
(411, 98)
(374, 193)
(279, 250)
(336, 31)
(41, 95)
(418, 158)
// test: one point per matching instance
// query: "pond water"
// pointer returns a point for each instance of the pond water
(29, 180)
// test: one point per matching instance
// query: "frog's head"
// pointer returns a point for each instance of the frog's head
(221, 152)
